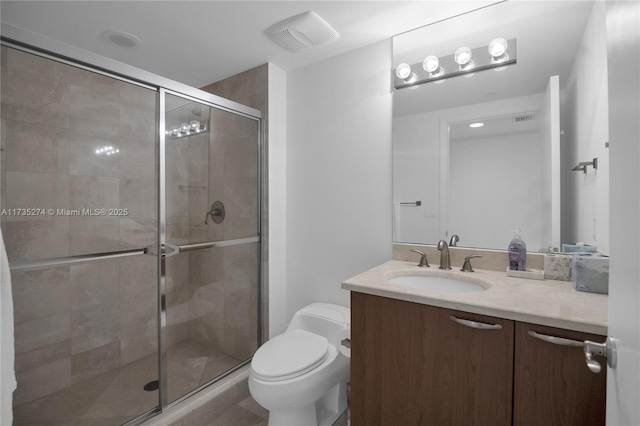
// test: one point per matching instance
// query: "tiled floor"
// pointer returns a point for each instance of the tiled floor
(246, 413)
(115, 397)
(250, 413)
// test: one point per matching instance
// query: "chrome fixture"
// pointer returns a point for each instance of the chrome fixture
(475, 324)
(424, 263)
(216, 211)
(194, 127)
(75, 259)
(606, 350)
(453, 242)
(466, 267)
(415, 203)
(499, 54)
(445, 261)
(582, 166)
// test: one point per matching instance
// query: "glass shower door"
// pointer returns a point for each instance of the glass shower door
(212, 248)
(79, 209)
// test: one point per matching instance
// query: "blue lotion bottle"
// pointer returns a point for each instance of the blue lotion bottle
(517, 252)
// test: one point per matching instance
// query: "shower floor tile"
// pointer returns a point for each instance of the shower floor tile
(115, 397)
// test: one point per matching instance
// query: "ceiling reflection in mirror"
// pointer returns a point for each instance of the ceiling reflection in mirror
(509, 176)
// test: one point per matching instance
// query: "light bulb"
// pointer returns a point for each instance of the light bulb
(462, 56)
(431, 63)
(184, 128)
(403, 71)
(498, 47)
(195, 125)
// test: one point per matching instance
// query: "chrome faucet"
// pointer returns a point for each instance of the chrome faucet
(424, 263)
(445, 261)
(453, 242)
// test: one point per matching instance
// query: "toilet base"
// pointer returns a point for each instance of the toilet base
(323, 412)
(303, 416)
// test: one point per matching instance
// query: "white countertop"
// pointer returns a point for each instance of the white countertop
(544, 302)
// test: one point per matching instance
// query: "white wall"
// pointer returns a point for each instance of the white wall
(338, 173)
(586, 131)
(277, 193)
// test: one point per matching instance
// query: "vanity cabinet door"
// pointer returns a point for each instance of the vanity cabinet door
(553, 385)
(411, 364)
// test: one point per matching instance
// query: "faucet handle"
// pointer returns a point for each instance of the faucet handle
(424, 263)
(466, 267)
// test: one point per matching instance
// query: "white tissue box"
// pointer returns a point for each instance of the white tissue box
(557, 266)
(590, 273)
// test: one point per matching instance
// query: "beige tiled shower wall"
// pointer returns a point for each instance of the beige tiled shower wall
(77, 321)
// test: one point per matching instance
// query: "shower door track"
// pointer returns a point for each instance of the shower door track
(71, 260)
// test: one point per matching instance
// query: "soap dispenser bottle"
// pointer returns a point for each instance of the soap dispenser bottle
(517, 252)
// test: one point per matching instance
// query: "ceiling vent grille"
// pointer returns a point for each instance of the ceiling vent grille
(522, 118)
(302, 32)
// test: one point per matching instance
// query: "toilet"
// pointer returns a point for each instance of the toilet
(301, 375)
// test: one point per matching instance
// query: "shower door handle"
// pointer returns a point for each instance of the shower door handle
(174, 250)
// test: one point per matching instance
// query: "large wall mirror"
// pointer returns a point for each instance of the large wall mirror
(482, 153)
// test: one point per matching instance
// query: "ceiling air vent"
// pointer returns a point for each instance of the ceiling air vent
(522, 118)
(302, 32)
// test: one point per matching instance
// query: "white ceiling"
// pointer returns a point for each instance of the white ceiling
(200, 42)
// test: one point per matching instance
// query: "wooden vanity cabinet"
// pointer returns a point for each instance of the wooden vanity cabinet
(411, 364)
(552, 383)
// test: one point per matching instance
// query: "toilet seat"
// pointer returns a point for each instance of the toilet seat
(289, 355)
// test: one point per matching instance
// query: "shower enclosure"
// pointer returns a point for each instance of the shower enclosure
(130, 212)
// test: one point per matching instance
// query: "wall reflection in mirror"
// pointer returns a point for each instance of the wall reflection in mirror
(541, 117)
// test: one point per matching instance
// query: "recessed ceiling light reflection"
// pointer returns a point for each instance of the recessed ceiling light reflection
(107, 150)
(476, 125)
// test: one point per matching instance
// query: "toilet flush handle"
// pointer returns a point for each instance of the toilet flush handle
(346, 343)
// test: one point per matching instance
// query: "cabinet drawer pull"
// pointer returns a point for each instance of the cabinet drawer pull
(556, 340)
(475, 324)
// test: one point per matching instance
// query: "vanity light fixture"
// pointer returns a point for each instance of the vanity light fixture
(498, 55)
(193, 127)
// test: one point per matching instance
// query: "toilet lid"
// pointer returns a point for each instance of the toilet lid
(289, 355)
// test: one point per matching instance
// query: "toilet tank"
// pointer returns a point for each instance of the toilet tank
(325, 319)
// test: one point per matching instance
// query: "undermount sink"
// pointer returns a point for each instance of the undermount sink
(437, 283)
